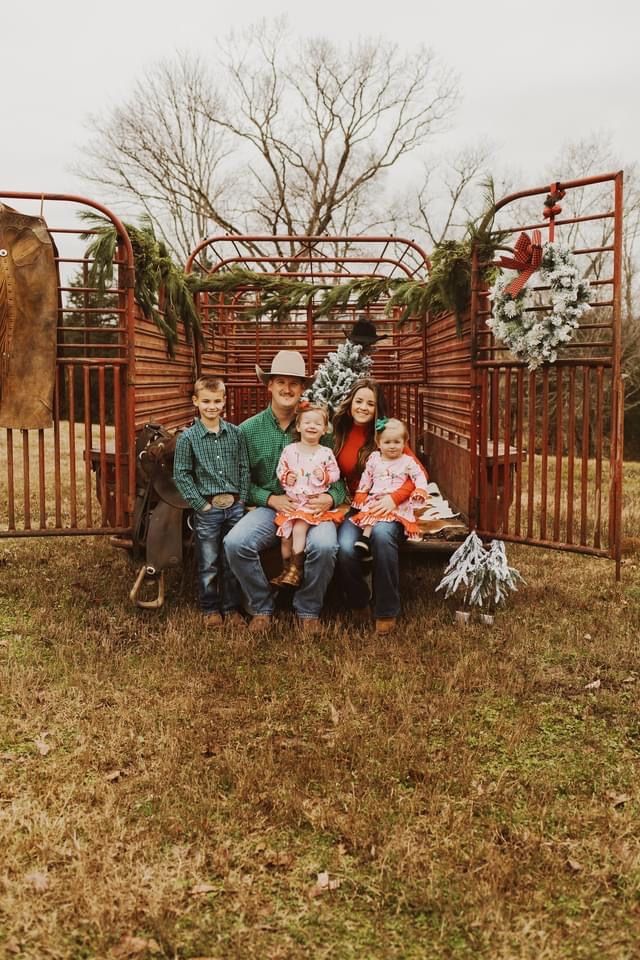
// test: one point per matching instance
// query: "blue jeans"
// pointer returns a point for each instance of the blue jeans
(257, 532)
(218, 589)
(386, 537)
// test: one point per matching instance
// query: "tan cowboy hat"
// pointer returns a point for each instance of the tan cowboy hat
(286, 363)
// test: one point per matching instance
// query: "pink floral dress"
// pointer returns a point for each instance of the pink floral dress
(380, 477)
(302, 475)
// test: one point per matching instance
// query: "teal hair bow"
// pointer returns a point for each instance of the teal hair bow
(381, 423)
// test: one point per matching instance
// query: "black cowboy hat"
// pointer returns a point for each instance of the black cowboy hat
(364, 333)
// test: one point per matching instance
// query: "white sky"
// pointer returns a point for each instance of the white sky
(533, 75)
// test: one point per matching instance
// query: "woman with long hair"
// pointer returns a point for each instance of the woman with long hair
(354, 439)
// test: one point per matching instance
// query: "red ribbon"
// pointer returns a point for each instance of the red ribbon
(527, 257)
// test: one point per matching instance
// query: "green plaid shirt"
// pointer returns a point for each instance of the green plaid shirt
(265, 442)
(206, 463)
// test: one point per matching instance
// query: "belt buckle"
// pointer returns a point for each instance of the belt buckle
(223, 500)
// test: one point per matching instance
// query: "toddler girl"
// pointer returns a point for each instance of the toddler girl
(305, 468)
(386, 470)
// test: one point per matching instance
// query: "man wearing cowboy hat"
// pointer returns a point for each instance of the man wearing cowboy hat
(267, 434)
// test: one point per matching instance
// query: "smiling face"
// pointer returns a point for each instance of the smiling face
(391, 441)
(285, 394)
(210, 404)
(312, 425)
(363, 405)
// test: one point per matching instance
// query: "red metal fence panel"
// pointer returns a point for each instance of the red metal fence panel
(547, 443)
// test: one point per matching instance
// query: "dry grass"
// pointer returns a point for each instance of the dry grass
(471, 796)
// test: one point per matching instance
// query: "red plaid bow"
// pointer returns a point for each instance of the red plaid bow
(527, 257)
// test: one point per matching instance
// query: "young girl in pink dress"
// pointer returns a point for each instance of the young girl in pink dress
(386, 470)
(305, 469)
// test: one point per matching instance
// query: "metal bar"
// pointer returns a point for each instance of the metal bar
(571, 451)
(495, 436)
(617, 389)
(544, 453)
(57, 483)
(86, 383)
(118, 445)
(519, 450)
(72, 448)
(532, 451)
(597, 532)
(557, 499)
(42, 481)
(103, 445)
(506, 465)
(584, 472)
(26, 479)
(10, 481)
(549, 544)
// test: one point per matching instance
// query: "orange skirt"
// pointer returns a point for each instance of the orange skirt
(284, 521)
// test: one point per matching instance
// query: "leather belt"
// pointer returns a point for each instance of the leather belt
(223, 500)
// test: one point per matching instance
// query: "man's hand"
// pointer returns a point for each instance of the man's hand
(281, 503)
(320, 502)
(384, 504)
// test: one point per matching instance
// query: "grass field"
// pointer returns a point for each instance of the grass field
(441, 793)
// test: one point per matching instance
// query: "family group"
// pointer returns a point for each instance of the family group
(333, 494)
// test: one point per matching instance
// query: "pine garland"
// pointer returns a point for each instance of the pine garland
(154, 271)
(447, 288)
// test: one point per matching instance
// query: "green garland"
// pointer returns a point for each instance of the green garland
(154, 270)
(447, 288)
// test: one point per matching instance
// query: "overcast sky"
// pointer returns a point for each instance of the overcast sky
(532, 76)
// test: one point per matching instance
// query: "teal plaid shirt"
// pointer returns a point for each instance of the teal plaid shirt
(206, 463)
(265, 442)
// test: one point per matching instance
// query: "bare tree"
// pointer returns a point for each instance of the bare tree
(283, 138)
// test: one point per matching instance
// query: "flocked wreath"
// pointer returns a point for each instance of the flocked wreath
(532, 334)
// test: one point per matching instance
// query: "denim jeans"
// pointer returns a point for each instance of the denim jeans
(386, 537)
(256, 532)
(218, 589)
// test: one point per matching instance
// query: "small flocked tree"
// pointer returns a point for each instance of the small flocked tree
(479, 577)
(337, 373)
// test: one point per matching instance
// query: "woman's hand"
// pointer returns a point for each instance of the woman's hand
(319, 502)
(382, 505)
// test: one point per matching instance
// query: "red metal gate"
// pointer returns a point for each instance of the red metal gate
(546, 445)
(77, 476)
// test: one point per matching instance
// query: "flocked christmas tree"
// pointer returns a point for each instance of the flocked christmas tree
(479, 577)
(337, 373)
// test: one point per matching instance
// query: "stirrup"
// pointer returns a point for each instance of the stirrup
(143, 573)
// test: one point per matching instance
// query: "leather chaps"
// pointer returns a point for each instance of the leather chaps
(28, 321)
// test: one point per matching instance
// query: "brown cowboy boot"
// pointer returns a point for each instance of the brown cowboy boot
(292, 576)
(287, 567)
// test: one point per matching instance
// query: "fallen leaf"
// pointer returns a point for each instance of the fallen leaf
(335, 716)
(113, 775)
(618, 799)
(38, 880)
(594, 685)
(629, 680)
(42, 746)
(133, 946)
(574, 865)
(12, 946)
(200, 889)
(586, 636)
